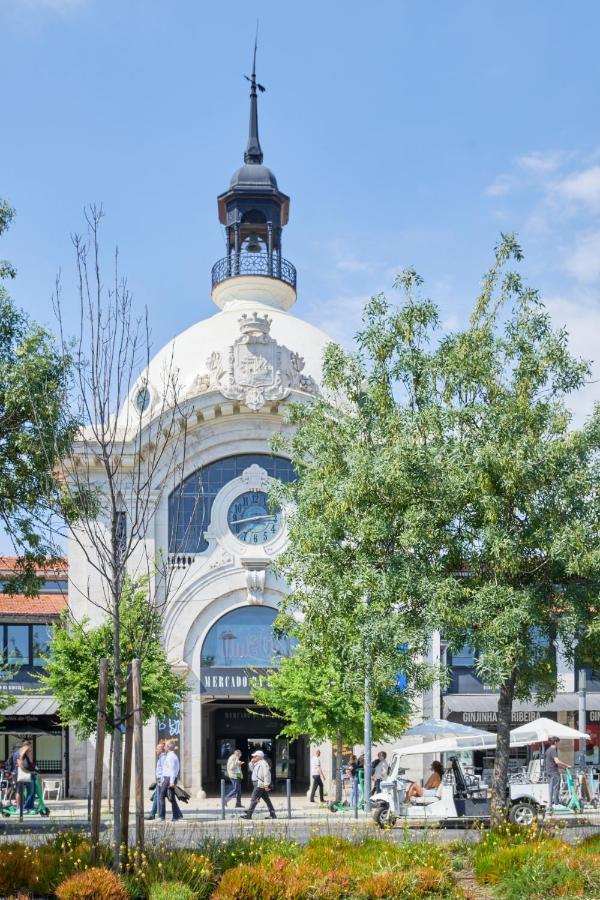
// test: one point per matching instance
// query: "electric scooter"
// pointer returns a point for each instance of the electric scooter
(12, 809)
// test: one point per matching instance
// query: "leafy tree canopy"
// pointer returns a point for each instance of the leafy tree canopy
(367, 511)
(73, 664)
(321, 702)
(33, 429)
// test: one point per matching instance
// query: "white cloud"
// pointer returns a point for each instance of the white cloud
(580, 315)
(582, 188)
(500, 186)
(540, 163)
(583, 259)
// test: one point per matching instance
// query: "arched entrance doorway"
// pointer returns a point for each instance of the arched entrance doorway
(241, 644)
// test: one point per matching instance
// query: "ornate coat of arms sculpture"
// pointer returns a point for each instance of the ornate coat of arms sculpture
(255, 369)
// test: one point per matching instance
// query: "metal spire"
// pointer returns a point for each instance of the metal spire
(253, 152)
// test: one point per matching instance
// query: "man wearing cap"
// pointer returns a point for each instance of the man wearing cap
(261, 778)
(553, 767)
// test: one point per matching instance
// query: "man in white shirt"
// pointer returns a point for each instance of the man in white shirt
(170, 771)
(380, 770)
(317, 777)
(261, 778)
(160, 758)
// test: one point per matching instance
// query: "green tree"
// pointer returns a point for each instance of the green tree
(34, 430)
(72, 668)
(320, 701)
(523, 548)
(366, 515)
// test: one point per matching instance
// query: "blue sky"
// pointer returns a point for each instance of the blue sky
(406, 133)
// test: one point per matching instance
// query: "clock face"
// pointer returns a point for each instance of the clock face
(251, 520)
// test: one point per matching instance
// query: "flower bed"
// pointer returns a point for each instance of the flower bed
(530, 865)
(509, 864)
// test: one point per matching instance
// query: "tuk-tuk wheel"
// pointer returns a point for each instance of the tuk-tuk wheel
(383, 816)
(522, 813)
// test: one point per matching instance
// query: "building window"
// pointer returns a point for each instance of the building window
(244, 638)
(463, 658)
(47, 586)
(47, 747)
(190, 504)
(17, 645)
(41, 636)
(26, 645)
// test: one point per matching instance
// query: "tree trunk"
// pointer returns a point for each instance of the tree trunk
(118, 745)
(338, 767)
(110, 759)
(500, 776)
(126, 793)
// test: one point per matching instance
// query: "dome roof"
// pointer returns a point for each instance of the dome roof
(253, 175)
(188, 354)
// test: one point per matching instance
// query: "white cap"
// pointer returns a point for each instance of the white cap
(258, 753)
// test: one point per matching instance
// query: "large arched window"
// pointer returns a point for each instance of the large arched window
(190, 504)
(244, 638)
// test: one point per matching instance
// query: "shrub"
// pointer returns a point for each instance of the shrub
(247, 883)
(93, 884)
(171, 890)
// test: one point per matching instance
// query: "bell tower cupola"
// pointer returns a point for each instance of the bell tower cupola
(254, 211)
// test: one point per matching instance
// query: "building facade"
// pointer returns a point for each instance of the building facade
(25, 632)
(236, 371)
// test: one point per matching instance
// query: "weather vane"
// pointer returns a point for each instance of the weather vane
(252, 78)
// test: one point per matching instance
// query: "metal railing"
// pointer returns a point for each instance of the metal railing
(269, 265)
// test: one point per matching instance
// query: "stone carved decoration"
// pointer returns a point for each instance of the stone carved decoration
(255, 369)
(255, 582)
(222, 559)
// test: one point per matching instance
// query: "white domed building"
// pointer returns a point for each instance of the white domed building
(236, 370)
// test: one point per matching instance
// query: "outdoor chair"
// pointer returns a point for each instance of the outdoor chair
(52, 786)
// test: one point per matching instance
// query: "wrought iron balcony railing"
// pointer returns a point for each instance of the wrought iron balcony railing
(270, 265)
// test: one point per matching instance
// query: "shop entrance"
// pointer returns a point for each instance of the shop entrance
(246, 727)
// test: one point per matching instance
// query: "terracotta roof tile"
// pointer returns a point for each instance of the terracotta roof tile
(42, 605)
(59, 567)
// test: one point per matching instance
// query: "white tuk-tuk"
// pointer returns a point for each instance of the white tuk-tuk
(463, 795)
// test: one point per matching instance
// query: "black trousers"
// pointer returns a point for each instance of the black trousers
(260, 794)
(317, 782)
(164, 788)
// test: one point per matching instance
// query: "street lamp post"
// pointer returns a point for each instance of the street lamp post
(582, 693)
(368, 720)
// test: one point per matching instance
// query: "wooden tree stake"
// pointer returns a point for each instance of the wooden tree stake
(99, 761)
(126, 790)
(138, 739)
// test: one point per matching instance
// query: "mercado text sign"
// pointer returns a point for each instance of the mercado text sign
(220, 681)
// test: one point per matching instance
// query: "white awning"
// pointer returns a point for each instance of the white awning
(31, 706)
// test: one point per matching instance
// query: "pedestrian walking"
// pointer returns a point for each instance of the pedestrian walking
(261, 778)
(553, 767)
(170, 771)
(234, 773)
(380, 771)
(160, 760)
(317, 777)
(353, 772)
(26, 777)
